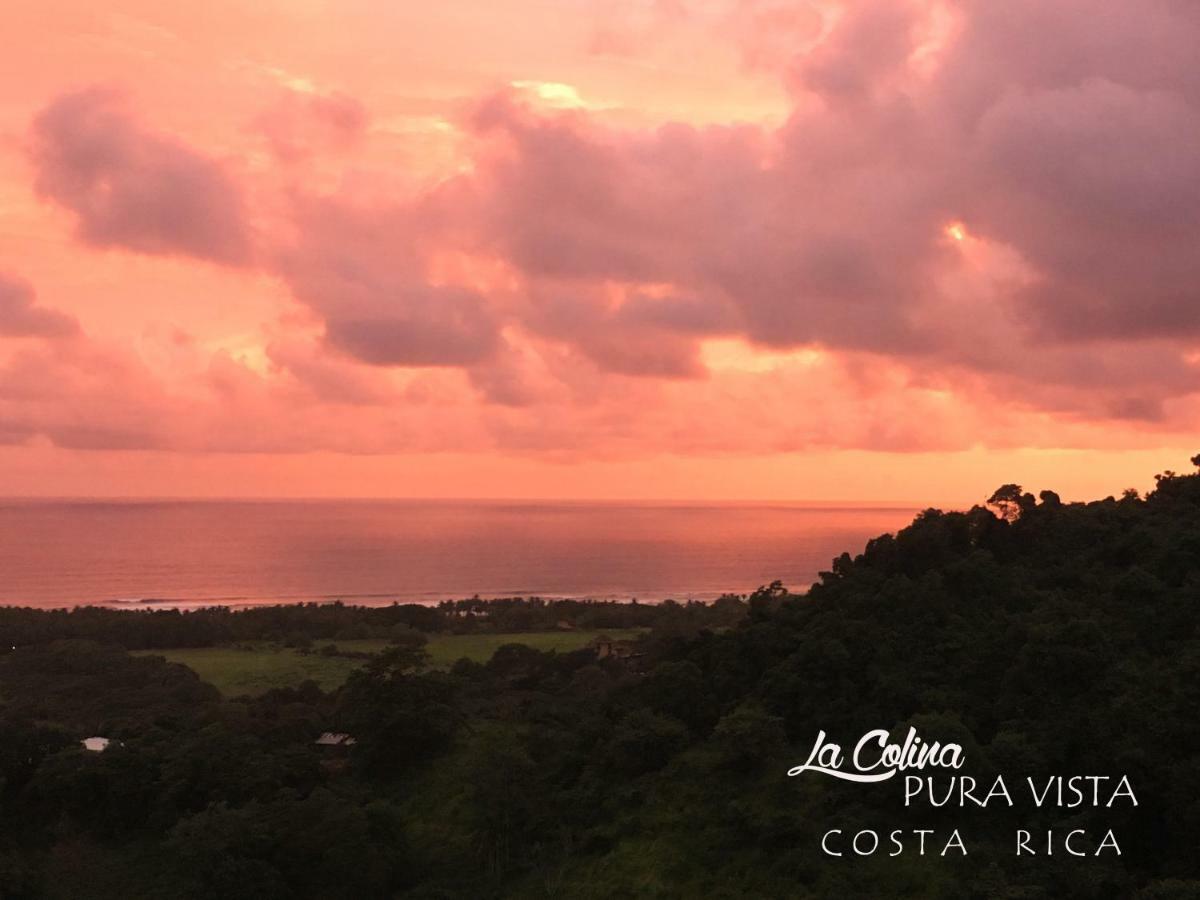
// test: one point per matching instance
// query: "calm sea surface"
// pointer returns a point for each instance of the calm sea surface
(65, 553)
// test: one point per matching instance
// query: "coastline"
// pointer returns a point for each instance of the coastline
(187, 604)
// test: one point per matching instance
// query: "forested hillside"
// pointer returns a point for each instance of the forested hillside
(1046, 638)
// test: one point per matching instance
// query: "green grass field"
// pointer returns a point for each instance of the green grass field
(235, 671)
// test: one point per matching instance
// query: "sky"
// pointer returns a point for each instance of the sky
(822, 250)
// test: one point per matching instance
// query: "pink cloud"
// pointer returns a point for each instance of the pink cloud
(558, 294)
(329, 379)
(867, 51)
(297, 125)
(832, 230)
(795, 252)
(629, 332)
(362, 271)
(132, 188)
(20, 316)
(85, 396)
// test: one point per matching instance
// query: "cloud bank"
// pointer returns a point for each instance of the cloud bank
(976, 223)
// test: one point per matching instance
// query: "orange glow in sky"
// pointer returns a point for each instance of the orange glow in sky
(683, 249)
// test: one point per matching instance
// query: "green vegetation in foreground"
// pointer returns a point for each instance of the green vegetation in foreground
(258, 668)
(445, 650)
(235, 671)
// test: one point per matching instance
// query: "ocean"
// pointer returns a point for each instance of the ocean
(59, 553)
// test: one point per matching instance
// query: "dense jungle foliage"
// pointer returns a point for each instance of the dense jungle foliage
(1046, 638)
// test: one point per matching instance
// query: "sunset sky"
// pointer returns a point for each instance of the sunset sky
(899, 251)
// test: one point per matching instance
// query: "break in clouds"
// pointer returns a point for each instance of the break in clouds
(977, 220)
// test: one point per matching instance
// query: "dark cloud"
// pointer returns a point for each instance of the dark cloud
(1061, 140)
(417, 326)
(630, 333)
(133, 188)
(362, 272)
(1064, 136)
(870, 44)
(329, 380)
(20, 316)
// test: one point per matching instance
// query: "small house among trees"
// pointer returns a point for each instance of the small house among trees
(335, 739)
(609, 649)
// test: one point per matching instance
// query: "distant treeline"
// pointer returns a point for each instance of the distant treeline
(150, 629)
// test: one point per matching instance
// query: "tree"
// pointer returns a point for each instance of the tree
(1009, 500)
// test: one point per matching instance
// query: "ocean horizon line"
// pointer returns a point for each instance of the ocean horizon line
(633, 502)
(68, 553)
